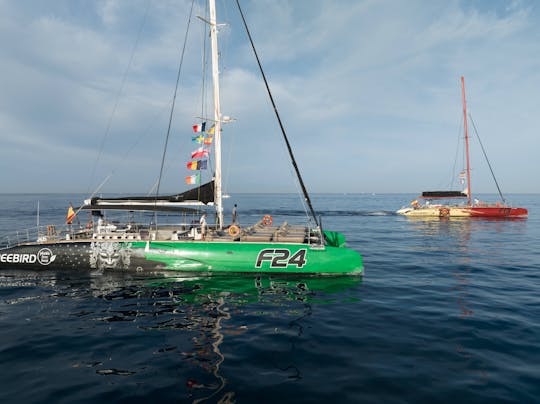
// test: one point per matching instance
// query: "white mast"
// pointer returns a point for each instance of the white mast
(217, 114)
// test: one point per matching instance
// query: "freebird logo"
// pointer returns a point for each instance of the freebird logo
(44, 256)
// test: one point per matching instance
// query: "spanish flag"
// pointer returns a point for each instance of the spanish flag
(70, 215)
(208, 140)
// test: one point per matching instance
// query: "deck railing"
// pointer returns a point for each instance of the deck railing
(32, 234)
(53, 233)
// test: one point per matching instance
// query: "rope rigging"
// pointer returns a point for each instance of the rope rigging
(172, 110)
(118, 95)
(485, 155)
(291, 155)
(456, 156)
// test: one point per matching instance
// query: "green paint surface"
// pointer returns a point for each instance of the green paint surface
(224, 257)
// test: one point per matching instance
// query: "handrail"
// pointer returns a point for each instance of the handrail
(63, 232)
(37, 233)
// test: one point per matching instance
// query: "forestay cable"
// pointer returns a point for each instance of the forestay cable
(304, 190)
(485, 155)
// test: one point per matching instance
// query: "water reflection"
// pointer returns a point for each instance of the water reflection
(215, 301)
(464, 226)
(206, 306)
(203, 320)
(463, 235)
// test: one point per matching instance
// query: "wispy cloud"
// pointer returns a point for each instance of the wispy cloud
(366, 87)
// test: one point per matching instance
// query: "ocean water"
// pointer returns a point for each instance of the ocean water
(447, 311)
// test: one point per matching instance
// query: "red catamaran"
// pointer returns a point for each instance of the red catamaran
(432, 206)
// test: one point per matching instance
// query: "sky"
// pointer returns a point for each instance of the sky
(368, 91)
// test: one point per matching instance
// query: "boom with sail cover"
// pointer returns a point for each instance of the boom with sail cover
(203, 195)
(443, 194)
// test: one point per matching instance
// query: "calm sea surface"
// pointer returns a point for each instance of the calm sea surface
(448, 311)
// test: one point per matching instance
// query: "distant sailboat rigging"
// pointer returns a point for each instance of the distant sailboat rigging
(436, 202)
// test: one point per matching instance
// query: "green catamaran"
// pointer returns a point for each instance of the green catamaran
(262, 247)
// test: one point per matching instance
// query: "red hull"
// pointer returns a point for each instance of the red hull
(497, 211)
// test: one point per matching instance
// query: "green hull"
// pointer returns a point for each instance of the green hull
(187, 256)
(236, 257)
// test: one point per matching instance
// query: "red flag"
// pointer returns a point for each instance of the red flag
(200, 127)
(200, 152)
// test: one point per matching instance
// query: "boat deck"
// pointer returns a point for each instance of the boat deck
(257, 233)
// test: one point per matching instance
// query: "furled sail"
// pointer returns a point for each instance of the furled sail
(443, 194)
(203, 195)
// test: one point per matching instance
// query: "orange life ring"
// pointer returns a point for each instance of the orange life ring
(234, 230)
(444, 212)
(267, 220)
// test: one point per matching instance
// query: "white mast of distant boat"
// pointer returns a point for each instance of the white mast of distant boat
(217, 114)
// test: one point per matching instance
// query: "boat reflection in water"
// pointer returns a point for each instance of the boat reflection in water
(467, 241)
(178, 338)
(462, 228)
(211, 319)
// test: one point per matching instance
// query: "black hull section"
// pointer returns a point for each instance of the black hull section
(75, 256)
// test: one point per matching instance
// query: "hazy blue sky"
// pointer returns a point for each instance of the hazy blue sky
(369, 92)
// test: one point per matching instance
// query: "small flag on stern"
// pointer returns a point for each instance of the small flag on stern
(70, 215)
(197, 165)
(199, 127)
(192, 179)
(200, 152)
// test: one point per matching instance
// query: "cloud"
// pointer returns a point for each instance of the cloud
(367, 91)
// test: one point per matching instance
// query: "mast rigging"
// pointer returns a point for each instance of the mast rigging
(466, 141)
(291, 154)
